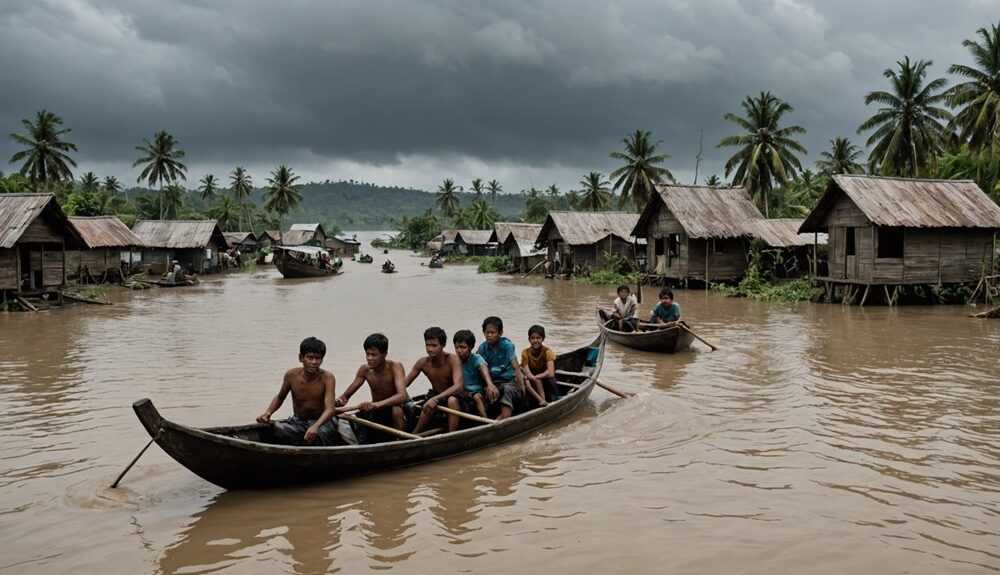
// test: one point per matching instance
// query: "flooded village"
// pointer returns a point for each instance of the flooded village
(710, 360)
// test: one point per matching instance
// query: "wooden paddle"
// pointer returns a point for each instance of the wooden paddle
(599, 383)
(379, 426)
(468, 416)
(129, 466)
(698, 337)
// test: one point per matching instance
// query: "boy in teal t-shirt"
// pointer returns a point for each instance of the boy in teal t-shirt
(476, 375)
(501, 357)
(666, 313)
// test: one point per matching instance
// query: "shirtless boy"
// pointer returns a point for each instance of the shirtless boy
(312, 392)
(386, 382)
(444, 371)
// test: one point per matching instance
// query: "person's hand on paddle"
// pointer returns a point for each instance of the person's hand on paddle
(429, 406)
(264, 417)
(340, 401)
(492, 392)
(311, 434)
(367, 406)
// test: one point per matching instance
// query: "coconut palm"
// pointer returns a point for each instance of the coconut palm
(462, 219)
(552, 191)
(908, 134)
(477, 187)
(226, 211)
(713, 181)
(495, 188)
(766, 150)
(573, 199)
(842, 158)
(282, 196)
(89, 182)
(172, 201)
(482, 216)
(447, 198)
(595, 195)
(46, 154)
(536, 207)
(161, 161)
(241, 187)
(642, 171)
(978, 120)
(209, 187)
(113, 186)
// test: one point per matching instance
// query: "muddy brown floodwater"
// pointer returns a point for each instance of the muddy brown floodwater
(819, 439)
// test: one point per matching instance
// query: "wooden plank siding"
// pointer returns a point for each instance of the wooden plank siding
(8, 269)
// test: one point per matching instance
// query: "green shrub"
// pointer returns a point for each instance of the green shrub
(489, 264)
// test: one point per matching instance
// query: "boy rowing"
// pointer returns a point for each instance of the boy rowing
(444, 371)
(666, 313)
(388, 388)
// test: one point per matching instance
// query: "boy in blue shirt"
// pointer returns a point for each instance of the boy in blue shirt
(666, 313)
(476, 377)
(501, 357)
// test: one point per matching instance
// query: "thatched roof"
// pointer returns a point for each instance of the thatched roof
(448, 236)
(297, 237)
(307, 228)
(275, 235)
(233, 238)
(473, 237)
(523, 232)
(178, 234)
(703, 212)
(586, 228)
(908, 203)
(784, 233)
(18, 211)
(104, 232)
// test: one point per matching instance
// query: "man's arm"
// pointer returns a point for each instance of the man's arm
(491, 390)
(329, 408)
(518, 376)
(457, 384)
(286, 385)
(398, 382)
(550, 370)
(359, 380)
(415, 371)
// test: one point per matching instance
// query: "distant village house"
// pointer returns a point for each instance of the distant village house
(34, 236)
(110, 250)
(195, 242)
(576, 242)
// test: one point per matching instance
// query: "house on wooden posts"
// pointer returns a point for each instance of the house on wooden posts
(576, 242)
(195, 242)
(790, 253)
(304, 235)
(697, 233)
(447, 240)
(516, 241)
(474, 242)
(34, 236)
(343, 247)
(246, 242)
(268, 238)
(892, 233)
(110, 250)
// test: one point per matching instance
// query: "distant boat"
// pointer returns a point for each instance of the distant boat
(664, 340)
(302, 262)
(365, 259)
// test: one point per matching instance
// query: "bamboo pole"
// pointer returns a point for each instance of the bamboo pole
(468, 416)
(601, 384)
(698, 337)
(379, 426)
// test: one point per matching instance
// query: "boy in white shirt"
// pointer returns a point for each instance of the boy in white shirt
(626, 307)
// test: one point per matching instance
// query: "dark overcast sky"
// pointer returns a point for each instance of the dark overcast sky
(409, 93)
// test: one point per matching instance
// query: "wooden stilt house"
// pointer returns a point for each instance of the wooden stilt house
(697, 233)
(448, 241)
(576, 241)
(34, 236)
(516, 241)
(888, 233)
(268, 238)
(110, 250)
(790, 253)
(195, 242)
(304, 235)
(473, 242)
(246, 242)
(343, 247)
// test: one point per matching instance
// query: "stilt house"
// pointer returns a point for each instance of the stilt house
(448, 241)
(268, 238)
(473, 242)
(516, 241)
(304, 235)
(343, 247)
(109, 247)
(197, 242)
(792, 254)
(34, 236)
(894, 232)
(576, 241)
(246, 242)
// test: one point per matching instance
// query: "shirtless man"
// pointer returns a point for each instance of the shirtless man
(313, 406)
(386, 382)
(444, 371)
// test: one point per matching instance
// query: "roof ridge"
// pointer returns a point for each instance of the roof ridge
(901, 179)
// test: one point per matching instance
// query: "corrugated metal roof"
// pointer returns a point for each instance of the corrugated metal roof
(104, 232)
(297, 237)
(704, 212)
(523, 231)
(233, 238)
(910, 203)
(586, 228)
(17, 211)
(784, 233)
(474, 237)
(305, 227)
(176, 234)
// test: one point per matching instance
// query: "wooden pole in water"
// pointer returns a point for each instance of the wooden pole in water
(129, 466)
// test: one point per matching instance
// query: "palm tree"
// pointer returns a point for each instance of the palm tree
(481, 215)
(172, 201)
(89, 182)
(241, 188)
(713, 181)
(477, 187)
(225, 211)
(573, 199)
(552, 191)
(979, 120)
(462, 219)
(641, 172)
(536, 207)
(495, 188)
(113, 186)
(162, 162)
(209, 187)
(46, 154)
(447, 198)
(842, 158)
(595, 195)
(766, 150)
(282, 196)
(908, 134)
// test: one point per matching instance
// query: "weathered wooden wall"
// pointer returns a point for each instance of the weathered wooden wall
(8, 269)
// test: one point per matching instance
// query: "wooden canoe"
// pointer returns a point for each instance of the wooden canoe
(240, 457)
(290, 267)
(666, 340)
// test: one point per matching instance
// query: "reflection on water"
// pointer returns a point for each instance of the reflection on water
(818, 439)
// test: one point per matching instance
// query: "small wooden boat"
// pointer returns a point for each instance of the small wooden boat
(242, 457)
(297, 262)
(365, 259)
(665, 340)
(436, 263)
(389, 269)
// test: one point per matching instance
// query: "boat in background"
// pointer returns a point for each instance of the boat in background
(663, 340)
(302, 262)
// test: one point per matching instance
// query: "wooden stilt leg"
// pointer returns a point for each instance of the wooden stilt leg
(865, 296)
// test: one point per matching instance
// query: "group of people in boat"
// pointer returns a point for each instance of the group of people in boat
(489, 382)
(388, 267)
(176, 274)
(625, 316)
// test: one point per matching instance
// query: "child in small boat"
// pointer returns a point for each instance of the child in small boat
(538, 363)
(313, 406)
(626, 307)
(475, 375)
(666, 313)
(501, 357)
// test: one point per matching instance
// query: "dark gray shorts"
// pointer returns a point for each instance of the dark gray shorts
(292, 431)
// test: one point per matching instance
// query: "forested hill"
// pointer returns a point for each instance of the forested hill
(361, 206)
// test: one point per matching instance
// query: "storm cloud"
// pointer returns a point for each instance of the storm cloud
(409, 93)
